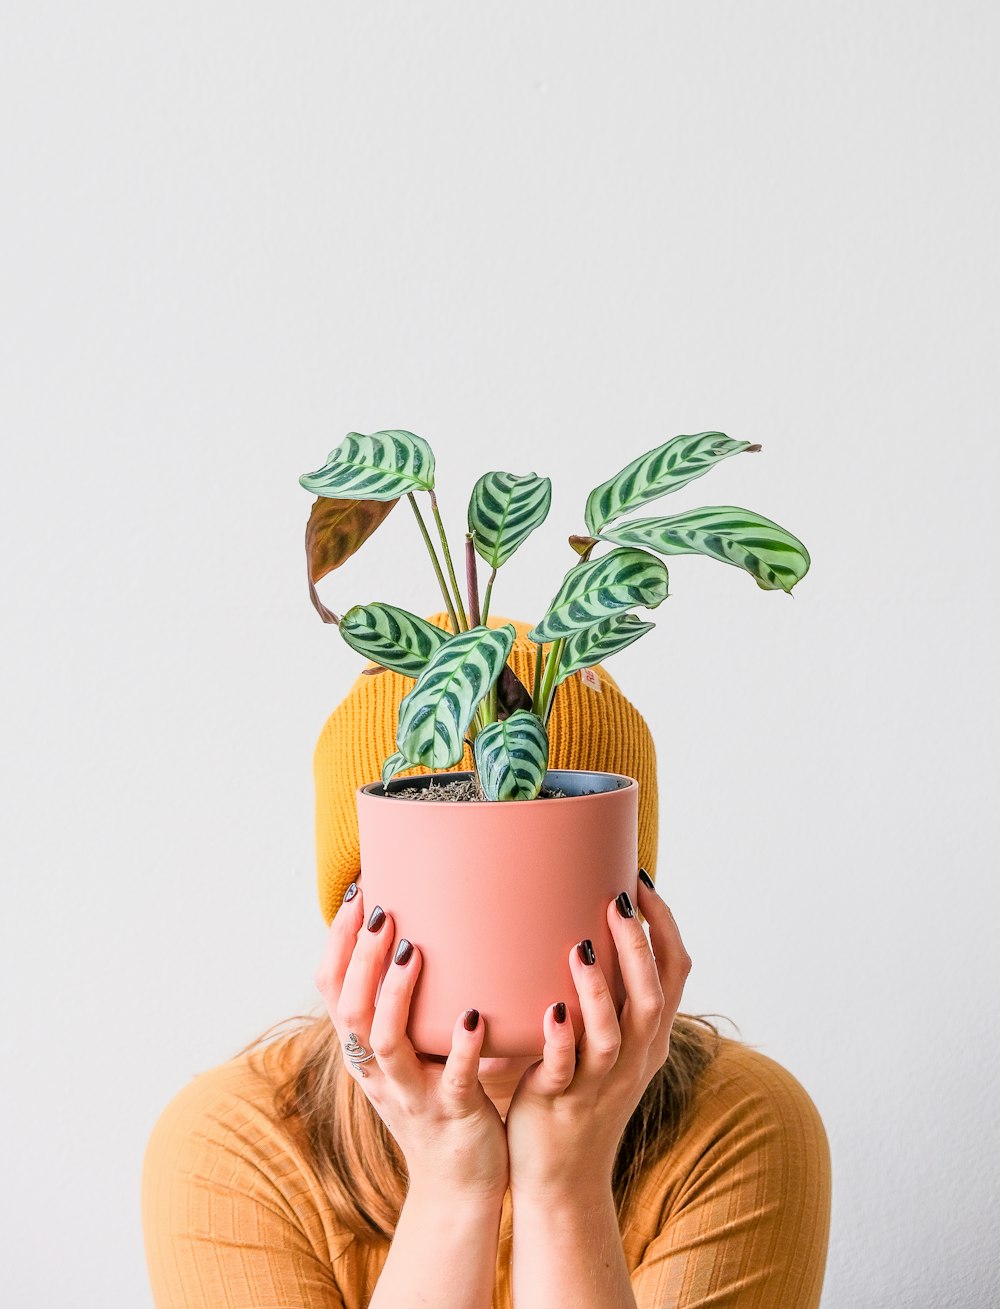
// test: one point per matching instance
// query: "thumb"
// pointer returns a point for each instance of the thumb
(460, 1078)
(554, 1074)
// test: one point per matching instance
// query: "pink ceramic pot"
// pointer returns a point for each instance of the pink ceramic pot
(496, 895)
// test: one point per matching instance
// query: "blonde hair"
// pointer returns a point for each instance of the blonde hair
(359, 1163)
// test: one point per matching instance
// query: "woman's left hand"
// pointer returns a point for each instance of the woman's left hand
(569, 1111)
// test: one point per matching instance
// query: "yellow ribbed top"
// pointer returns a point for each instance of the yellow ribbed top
(736, 1215)
(592, 725)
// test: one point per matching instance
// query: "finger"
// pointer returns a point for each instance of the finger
(356, 1005)
(673, 963)
(558, 1067)
(337, 949)
(460, 1076)
(601, 1040)
(643, 1008)
(393, 1049)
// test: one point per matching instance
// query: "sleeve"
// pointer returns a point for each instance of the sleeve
(218, 1226)
(748, 1226)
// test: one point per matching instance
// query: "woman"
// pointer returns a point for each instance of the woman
(654, 1165)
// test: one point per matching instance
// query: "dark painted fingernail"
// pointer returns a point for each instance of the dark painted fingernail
(403, 951)
(624, 905)
(585, 949)
(471, 1019)
(559, 1012)
(350, 893)
(645, 879)
(377, 919)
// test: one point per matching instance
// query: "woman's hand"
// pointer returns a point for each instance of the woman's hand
(448, 1129)
(567, 1115)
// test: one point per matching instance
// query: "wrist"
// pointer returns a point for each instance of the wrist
(563, 1195)
(466, 1198)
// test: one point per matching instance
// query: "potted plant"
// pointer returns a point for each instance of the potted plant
(497, 887)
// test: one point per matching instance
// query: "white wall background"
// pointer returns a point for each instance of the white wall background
(546, 237)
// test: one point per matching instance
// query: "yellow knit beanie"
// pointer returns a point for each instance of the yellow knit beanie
(592, 725)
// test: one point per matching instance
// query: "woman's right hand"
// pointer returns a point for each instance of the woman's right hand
(446, 1126)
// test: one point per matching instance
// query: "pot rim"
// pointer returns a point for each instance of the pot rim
(375, 790)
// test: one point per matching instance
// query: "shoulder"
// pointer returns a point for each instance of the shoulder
(228, 1106)
(750, 1113)
(219, 1146)
(741, 1077)
(230, 1201)
(746, 1089)
(740, 1202)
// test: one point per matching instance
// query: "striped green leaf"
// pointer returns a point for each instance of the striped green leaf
(396, 763)
(619, 580)
(774, 558)
(391, 637)
(512, 756)
(504, 509)
(592, 645)
(382, 466)
(658, 472)
(435, 715)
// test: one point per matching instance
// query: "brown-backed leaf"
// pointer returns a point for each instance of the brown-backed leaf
(338, 528)
(512, 694)
(583, 544)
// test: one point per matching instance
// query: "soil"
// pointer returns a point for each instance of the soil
(465, 789)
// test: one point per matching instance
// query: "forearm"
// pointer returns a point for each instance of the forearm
(443, 1253)
(567, 1252)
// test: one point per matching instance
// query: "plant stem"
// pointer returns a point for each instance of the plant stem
(475, 727)
(478, 780)
(486, 710)
(470, 739)
(541, 701)
(434, 560)
(447, 559)
(549, 680)
(472, 580)
(486, 601)
(536, 684)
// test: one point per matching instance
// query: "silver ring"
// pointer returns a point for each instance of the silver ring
(354, 1048)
